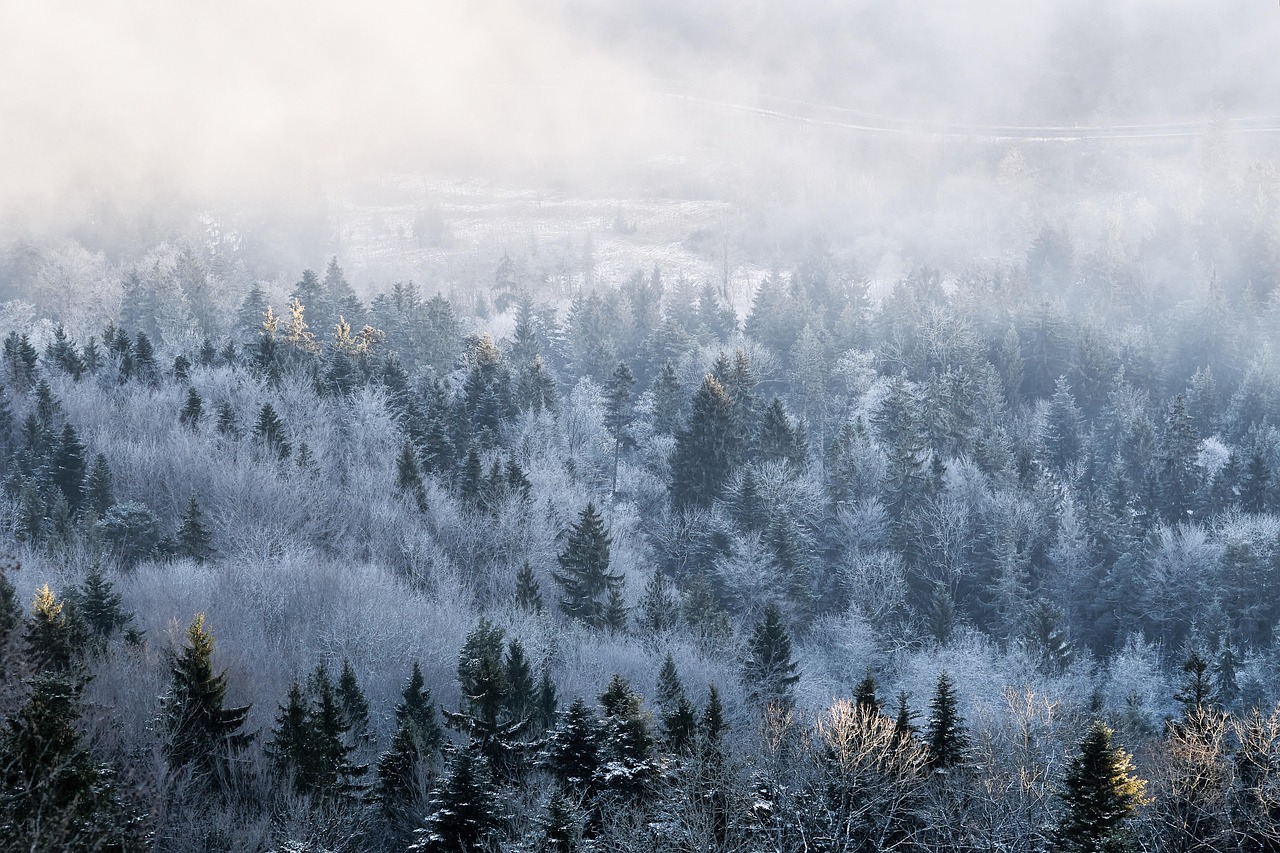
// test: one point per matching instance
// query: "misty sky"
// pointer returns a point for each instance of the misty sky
(244, 97)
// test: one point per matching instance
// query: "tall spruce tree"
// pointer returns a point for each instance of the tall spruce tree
(706, 449)
(1101, 794)
(618, 412)
(465, 811)
(269, 429)
(194, 539)
(584, 576)
(770, 673)
(201, 733)
(945, 736)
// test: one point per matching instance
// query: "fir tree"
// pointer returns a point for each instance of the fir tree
(227, 424)
(572, 751)
(1101, 794)
(865, 695)
(659, 608)
(712, 726)
(706, 450)
(465, 811)
(546, 702)
(528, 595)
(417, 713)
(194, 539)
(269, 430)
(904, 728)
(779, 441)
(144, 360)
(69, 467)
(618, 413)
(10, 610)
(399, 787)
(55, 634)
(561, 826)
(331, 771)
(53, 795)
(522, 692)
(584, 578)
(945, 736)
(98, 605)
(615, 611)
(290, 739)
(200, 731)
(352, 704)
(770, 674)
(191, 409)
(409, 475)
(668, 400)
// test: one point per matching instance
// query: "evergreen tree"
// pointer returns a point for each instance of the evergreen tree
(69, 467)
(291, 739)
(712, 726)
(1101, 794)
(770, 673)
(945, 736)
(10, 610)
(194, 539)
(1196, 693)
(201, 733)
(465, 811)
(522, 692)
(53, 795)
(778, 440)
(618, 414)
(865, 695)
(584, 578)
(352, 704)
(668, 400)
(903, 726)
(227, 424)
(416, 713)
(98, 605)
(191, 409)
(706, 450)
(659, 607)
(409, 475)
(615, 611)
(400, 788)
(144, 360)
(561, 826)
(330, 769)
(528, 595)
(54, 635)
(546, 702)
(269, 430)
(572, 751)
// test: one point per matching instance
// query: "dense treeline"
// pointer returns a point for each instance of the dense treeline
(600, 574)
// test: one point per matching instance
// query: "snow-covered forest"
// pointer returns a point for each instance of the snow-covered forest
(640, 426)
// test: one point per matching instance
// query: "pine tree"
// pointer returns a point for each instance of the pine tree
(778, 440)
(54, 635)
(69, 467)
(144, 360)
(409, 475)
(618, 412)
(227, 424)
(200, 731)
(584, 578)
(417, 713)
(712, 726)
(269, 429)
(53, 795)
(904, 727)
(191, 409)
(352, 704)
(290, 740)
(98, 605)
(332, 773)
(572, 751)
(561, 826)
(528, 595)
(10, 610)
(522, 692)
(865, 695)
(465, 810)
(706, 450)
(546, 702)
(1101, 794)
(399, 788)
(668, 400)
(659, 608)
(615, 611)
(194, 539)
(770, 674)
(945, 736)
